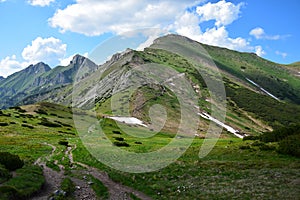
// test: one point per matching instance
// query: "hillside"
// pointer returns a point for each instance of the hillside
(71, 133)
(40, 78)
(44, 134)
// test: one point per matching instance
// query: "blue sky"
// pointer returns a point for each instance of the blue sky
(54, 30)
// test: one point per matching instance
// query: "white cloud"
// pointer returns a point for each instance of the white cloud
(90, 17)
(41, 3)
(1, 1)
(259, 51)
(10, 65)
(259, 33)
(222, 12)
(49, 50)
(282, 54)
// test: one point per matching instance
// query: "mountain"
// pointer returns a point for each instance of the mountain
(1, 78)
(263, 93)
(39, 78)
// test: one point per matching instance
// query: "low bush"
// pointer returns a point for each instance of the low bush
(138, 142)
(116, 132)
(290, 145)
(3, 124)
(28, 180)
(18, 108)
(68, 186)
(10, 161)
(4, 174)
(121, 144)
(250, 137)
(8, 193)
(27, 126)
(64, 143)
(280, 134)
(119, 138)
(46, 122)
(41, 111)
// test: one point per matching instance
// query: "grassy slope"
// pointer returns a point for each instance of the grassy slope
(227, 172)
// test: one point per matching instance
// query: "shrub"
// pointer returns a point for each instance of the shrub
(280, 134)
(3, 124)
(121, 144)
(290, 146)
(41, 111)
(8, 193)
(18, 108)
(64, 143)
(28, 126)
(116, 132)
(243, 147)
(10, 161)
(28, 180)
(68, 186)
(251, 137)
(138, 142)
(119, 138)
(47, 123)
(4, 174)
(266, 147)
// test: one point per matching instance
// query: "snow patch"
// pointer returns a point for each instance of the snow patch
(228, 128)
(129, 120)
(262, 89)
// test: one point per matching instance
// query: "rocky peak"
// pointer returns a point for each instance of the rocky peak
(38, 68)
(117, 56)
(77, 60)
(1, 78)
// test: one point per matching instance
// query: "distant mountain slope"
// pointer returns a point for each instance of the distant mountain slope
(248, 79)
(273, 77)
(39, 78)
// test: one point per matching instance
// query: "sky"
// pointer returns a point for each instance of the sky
(53, 31)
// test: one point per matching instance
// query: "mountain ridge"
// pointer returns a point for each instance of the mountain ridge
(40, 77)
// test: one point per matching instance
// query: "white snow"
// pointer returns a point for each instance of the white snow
(129, 120)
(262, 89)
(228, 128)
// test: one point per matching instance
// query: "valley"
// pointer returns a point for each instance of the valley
(139, 102)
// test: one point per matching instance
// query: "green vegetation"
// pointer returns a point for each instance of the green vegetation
(28, 180)
(261, 166)
(10, 161)
(100, 190)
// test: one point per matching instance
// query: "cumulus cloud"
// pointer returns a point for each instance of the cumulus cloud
(10, 65)
(90, 17)
(259, 51)
(41, 3)
(49, 50)
(282, 54)
(259, 33)
(1, 1)
(222, 12)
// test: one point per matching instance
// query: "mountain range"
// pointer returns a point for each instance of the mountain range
(256, 89)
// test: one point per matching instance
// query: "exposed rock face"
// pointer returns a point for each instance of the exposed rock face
(40, 78)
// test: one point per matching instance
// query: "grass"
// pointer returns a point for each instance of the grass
(100, 190)
(228, 172)
(28, 180)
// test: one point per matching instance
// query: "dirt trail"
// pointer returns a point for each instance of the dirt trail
(116, 190)
(83, 191)
(52, 178)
